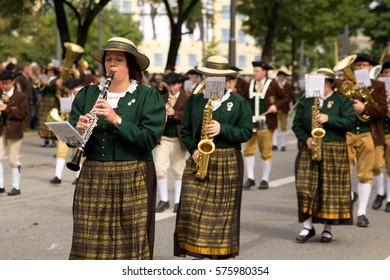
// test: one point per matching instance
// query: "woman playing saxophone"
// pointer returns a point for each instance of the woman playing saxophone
(207, 224)
(323, 183)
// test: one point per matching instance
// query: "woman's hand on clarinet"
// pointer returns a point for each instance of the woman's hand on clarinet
(83, 123)
(103, 108)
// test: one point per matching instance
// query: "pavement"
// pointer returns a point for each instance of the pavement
(37, 225)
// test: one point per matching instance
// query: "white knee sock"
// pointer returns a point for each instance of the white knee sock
(77, 173)
(1, 175)
(283, 135)
(15, 177)
(162, 186)
(177, 190)
(249, 164)
(379, 184)
(60, 163)
(364, 191)
(327, 228)
(275, 138)
(266, 166)
(307, 224)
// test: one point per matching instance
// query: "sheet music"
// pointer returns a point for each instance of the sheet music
(315, 84)
(65, 104)
(362, 78)
(386, 80)
(66, 133)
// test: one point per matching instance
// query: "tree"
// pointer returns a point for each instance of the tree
(377, 23)
(286, 24)
(37, 32)
(177, 16)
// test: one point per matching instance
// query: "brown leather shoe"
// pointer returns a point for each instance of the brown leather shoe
(378, 201)
(14, 192)
(161, 206)
(248, 184)
(387, 209)
(263, 185)
(362, 221)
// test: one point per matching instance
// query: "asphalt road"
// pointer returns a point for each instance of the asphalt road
(37, 225)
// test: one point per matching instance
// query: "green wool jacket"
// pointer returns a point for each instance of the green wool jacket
(234, 116)
(143, 122)
(340, 113)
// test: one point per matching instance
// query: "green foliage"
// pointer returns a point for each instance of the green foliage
(315, 22)
(34, 39)
(377, 26)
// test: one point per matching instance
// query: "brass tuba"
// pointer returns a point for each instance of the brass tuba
(351, 89)
(317, 132)
(72, 51)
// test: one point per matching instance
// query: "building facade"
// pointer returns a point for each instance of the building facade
(211, 36)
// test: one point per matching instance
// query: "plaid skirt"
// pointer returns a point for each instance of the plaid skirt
(46, 104)
(113, 211)
(208, 218)
(324, 188)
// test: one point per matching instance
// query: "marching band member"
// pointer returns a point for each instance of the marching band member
(266, 97)
(14, 110)
(323, 184)
(366, 139)
(283, 112)
(115, 196)
(379, 182)
(207, 222)
(171, 149)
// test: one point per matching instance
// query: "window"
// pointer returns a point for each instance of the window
(116, 4)
(192, 60)
(126, 7)
(225, 35)
(257, 58)
(177, 60)
(242, 61)
(241, 36)
(158, 59)
(225, 12)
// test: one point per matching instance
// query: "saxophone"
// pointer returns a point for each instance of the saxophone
(317, 132)
(74, 164)
(206, 145)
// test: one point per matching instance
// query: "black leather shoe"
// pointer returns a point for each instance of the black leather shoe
(2, 190)
(55, 180)
(263, 185)
(249, 183)
(378, 201)
(304, 238)
(283, 149)
(326, 239)
(161, 206)
(14, 192)
(175, 207)
(362, 221)
(387, 209)
(274, 148)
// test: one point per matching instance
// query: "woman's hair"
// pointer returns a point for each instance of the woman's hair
(135, 72)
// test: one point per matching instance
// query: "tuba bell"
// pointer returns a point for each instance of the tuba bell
(72, 51)
(351, 89)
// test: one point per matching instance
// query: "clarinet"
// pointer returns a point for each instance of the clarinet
(74, 164)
